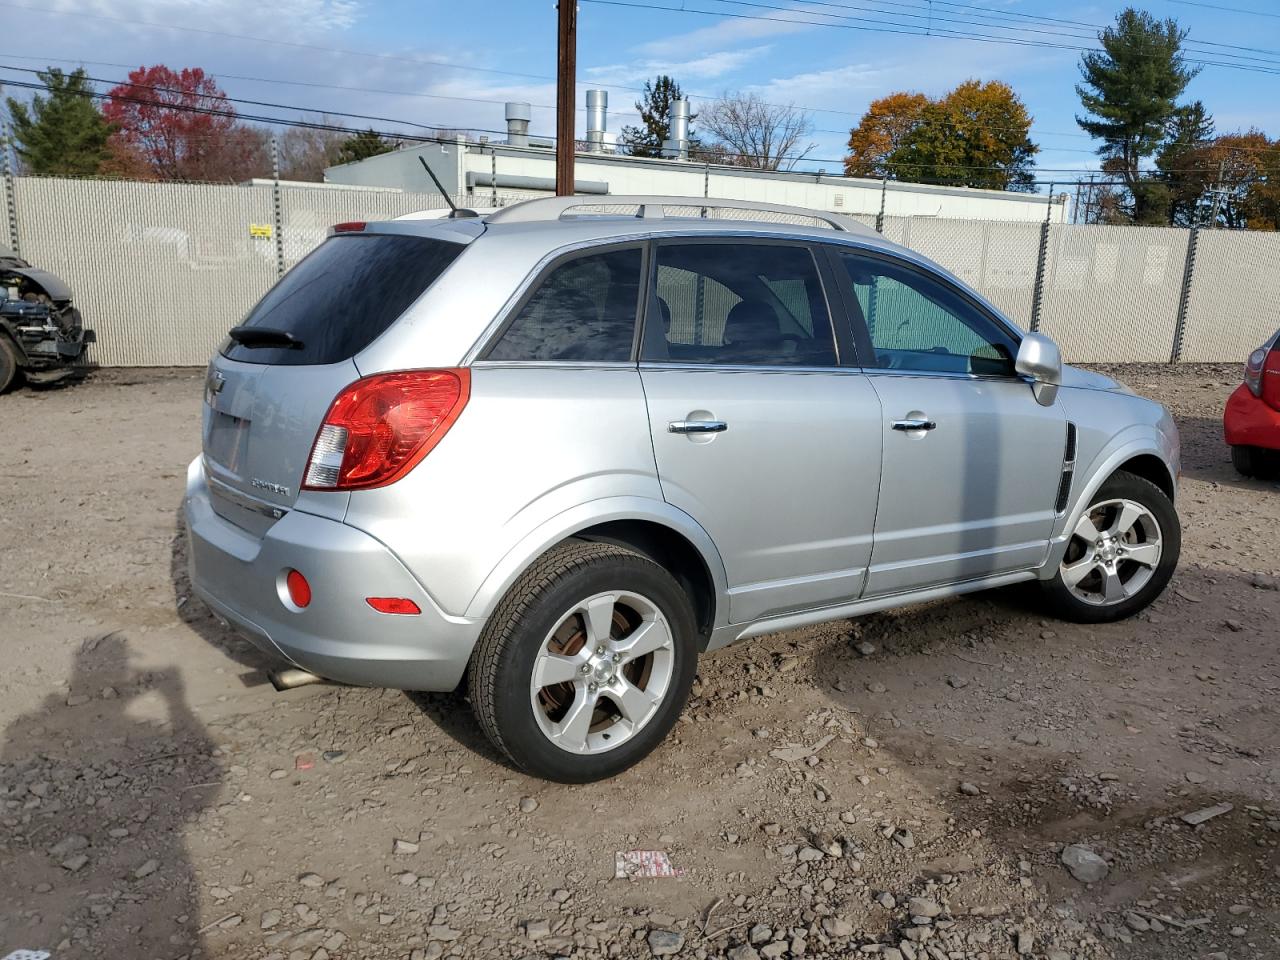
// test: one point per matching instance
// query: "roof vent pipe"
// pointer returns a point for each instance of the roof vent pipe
(676, 146)
(597, 119)
(518, 115)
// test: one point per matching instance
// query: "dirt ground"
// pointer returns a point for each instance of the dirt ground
(159, 800)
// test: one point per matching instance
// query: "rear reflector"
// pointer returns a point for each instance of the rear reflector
(299, 589)
(351, 226)
(397, 605)
(379, 428)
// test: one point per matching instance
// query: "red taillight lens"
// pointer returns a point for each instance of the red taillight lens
(380, 428)
(299, 589)
(397, 605)
(351, 226)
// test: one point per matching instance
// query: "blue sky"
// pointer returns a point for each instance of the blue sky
(452, 64)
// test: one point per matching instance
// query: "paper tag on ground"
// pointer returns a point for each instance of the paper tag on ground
(29, 955)
(637, 864)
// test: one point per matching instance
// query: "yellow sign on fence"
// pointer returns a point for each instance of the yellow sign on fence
(260, 230)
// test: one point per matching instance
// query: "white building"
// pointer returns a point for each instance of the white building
(486, 174)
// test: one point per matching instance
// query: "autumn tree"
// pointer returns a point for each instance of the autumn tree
(182, 127)
(654, 107)
(62, 133)
(978, 135)
(881, 131)
(753, 133)
(362, 145)
(1129, 90)
(305, 152)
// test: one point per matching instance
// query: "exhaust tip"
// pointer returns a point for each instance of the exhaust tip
(287, 678)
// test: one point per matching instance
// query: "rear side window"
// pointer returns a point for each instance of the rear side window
(344, 295)
(584, 309)
(734, 302)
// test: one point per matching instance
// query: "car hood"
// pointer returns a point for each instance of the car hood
(1089, 380)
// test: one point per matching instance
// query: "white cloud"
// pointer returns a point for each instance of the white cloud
(720, 35)
(307, 17)
(708, 67)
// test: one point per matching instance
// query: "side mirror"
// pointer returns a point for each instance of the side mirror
(1040, 360)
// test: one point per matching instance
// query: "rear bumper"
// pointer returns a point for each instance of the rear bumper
(338, 635)
(1248, 422)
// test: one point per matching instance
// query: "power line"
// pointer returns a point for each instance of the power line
(1000, 19)
(266, 103)
(904, 30)
(421, 138)
(1216, 6)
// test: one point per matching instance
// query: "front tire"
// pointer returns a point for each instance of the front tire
(1121, 554)
(9, 369)
(586, 663)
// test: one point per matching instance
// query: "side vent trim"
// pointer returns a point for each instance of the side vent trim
(1068, 469)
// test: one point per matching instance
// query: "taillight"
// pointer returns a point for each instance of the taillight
(379, 428)
(351, 226)
(1253, 371)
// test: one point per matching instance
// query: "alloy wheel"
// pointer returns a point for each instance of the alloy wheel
(602, 673)
(1114, 551)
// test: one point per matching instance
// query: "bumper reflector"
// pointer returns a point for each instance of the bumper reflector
(396, 605)
(299, 589)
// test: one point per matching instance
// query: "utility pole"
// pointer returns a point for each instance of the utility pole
(1217, 193)
(566, 93)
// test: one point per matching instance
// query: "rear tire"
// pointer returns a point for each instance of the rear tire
(1256, 462)
(586, 663)
(9, 369)
(1122, 552)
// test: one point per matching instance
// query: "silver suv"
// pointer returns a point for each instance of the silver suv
(558, 452)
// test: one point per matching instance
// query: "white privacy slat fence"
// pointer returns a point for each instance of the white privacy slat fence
(161, 271)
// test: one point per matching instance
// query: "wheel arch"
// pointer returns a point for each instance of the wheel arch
(1143, 454)
(675, 553)
(656, 529)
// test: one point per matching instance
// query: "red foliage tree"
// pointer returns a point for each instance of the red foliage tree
(181, 126)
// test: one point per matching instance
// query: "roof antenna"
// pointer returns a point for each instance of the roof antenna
(455, 211)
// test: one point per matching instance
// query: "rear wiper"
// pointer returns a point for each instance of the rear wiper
(264, 337)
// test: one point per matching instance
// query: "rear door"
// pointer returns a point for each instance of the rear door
(761, 434)
(264, 403)
(972, 462)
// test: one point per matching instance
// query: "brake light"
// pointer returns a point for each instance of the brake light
(379, 428)
(1253, 371)
(351, 226)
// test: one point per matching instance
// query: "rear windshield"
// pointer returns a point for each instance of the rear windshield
(343, 295)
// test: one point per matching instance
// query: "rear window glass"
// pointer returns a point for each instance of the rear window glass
(344, 295)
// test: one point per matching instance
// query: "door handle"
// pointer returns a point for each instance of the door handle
(697, 426)
(919, 424)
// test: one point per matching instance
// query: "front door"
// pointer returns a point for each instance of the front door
(760, 435)
(971, 461)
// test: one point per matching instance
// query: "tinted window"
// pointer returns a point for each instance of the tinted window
(918, 323)
(739, 303)
(344, 294)
(584, 309)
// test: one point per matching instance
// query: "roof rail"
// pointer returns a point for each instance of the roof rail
(651, 207)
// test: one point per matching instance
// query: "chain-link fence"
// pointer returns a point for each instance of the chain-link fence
(162, 270)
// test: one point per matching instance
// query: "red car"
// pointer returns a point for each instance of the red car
(1252, 418)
